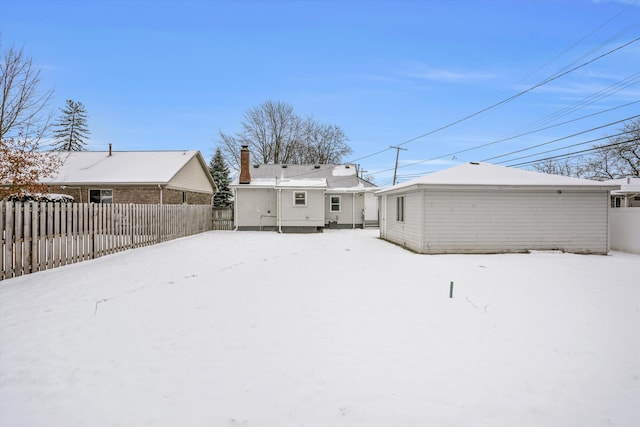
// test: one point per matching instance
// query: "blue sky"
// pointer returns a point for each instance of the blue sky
(164, 75)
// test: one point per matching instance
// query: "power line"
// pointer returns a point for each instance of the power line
(561, 139)
(565, 147)
(453, 154)
(511, 98)
(583, 39)
(573, 154)
(504, 101)
(610, 90)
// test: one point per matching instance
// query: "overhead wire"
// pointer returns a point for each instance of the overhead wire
(561, 139)
(575, 153)
(508, 99)
(455, 153)
(565, 147)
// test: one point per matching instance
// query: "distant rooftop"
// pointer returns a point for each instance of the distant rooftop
(121, 167)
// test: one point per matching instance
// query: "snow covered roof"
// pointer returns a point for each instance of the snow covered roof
(302, 183)
(344, 177)
(486, 174)
(627, 185)
(122, 167)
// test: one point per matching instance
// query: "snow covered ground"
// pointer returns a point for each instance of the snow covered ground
(331, 329)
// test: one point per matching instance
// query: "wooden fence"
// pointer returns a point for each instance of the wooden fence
(40, 236)
(223, 219)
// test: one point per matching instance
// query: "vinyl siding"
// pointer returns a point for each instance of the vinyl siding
(311, 215)
(345, 216)
(406, 233)
(494, 221)
(192, 178)
(256, 207)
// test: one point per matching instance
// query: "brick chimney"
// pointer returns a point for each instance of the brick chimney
(245, 174)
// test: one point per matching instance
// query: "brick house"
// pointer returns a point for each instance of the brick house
(141, 177)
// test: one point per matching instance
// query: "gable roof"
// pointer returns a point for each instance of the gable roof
(486, 174)
(124, 167)
(334, 176)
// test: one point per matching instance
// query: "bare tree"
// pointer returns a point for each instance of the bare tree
(23, 123)
(617, 158)
(566, 167)
(325, 144)
(275, 134)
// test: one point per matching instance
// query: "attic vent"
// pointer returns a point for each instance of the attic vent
(284, 166)
(316, 166)
(474, 163)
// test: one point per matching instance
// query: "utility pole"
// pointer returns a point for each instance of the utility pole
(397, 155)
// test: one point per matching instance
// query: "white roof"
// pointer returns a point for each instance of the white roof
(627, 185)
(308, 175)
(121, 167)
(486, 174)
(300, 183)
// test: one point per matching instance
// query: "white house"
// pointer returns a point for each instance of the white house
(628, 196)
(484, 208)
(301, 198)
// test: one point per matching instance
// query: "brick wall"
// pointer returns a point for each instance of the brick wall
(137, 195)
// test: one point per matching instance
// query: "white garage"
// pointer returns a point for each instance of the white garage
(485, 208)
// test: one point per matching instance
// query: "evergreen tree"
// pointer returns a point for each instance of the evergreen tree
(220, 173)
(71, 129)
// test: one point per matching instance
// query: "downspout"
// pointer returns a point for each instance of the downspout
(279, 213)
(353, 211)
(235, 208)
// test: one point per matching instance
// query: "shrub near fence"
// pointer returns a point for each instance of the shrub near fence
(39, 236)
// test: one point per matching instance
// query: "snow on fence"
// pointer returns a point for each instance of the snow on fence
(39, 236)
(624, 229)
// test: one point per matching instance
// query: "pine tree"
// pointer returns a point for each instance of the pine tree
(71, 129)
(220, 173)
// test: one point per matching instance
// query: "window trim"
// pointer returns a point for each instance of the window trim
(332, 204)
(102, 196)
(400, 208)
(295, 200)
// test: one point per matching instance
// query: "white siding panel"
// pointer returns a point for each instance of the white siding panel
(256, 207)
(512, 221)
(191, 178)
(311, 215)
(406, 233)
(346, 214)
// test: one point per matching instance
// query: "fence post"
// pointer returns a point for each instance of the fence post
(27, 237)
(9, 229)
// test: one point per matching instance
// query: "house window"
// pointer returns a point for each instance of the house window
(334, 204)
(400, 208)
(299, 198)
(616, 202)
(100, 196)
(184, 197)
